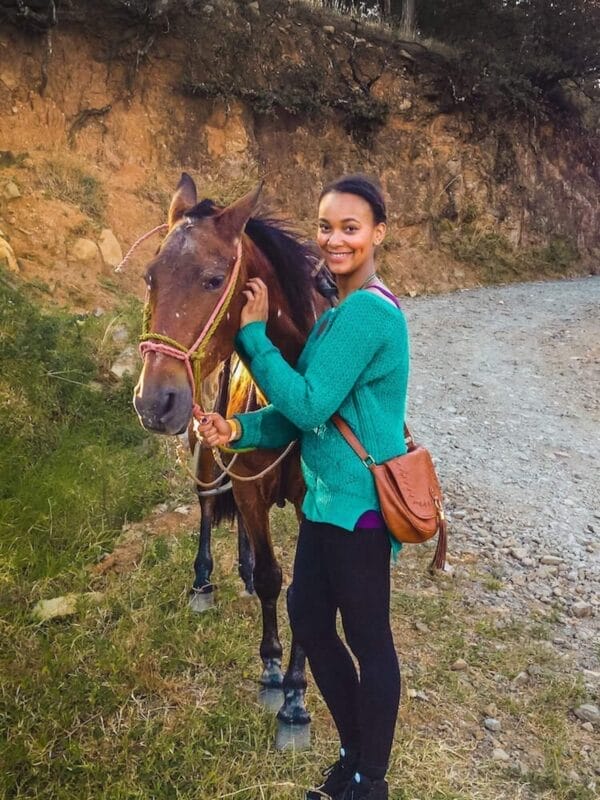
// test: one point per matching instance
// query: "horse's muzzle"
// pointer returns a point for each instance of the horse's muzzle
(163, 409)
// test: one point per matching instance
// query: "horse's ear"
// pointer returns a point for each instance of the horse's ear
(185, 197)
(232, 220)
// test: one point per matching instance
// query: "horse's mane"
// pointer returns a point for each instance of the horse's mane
(292, 258)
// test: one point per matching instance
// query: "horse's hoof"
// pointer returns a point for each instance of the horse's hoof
(292, 737)
(270, 698)
(293, 711)
(201, 601)
(272, 676)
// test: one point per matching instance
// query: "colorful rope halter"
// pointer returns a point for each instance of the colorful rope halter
(191, 356)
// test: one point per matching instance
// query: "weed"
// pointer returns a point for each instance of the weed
(67, 181)
(497, 259)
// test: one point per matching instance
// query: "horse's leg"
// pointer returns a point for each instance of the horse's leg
(245, 556)
(267, 583)
(201, 595)
(293, 718)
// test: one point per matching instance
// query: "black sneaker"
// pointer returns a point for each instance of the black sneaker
(337, 778)
(362, 788)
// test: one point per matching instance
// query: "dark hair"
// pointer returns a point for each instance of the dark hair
(362, 186)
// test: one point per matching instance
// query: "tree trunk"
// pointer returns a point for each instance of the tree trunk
(408, 21)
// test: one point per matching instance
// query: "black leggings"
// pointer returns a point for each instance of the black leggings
(350, 571)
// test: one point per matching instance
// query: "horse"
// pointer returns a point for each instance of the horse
(194, 301)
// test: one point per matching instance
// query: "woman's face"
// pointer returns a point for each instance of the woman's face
(347, 233)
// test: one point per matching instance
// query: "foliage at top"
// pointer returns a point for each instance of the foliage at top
(499, 56)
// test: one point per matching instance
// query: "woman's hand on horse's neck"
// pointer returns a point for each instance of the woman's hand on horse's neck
(280, 325)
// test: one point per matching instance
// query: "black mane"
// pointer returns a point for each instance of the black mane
(292, 258)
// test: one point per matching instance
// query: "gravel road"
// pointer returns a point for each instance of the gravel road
(505, 390)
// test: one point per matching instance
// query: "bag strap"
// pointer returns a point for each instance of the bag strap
(355, 444)
(439, 557)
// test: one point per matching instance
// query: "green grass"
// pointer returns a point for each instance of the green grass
(74, 462)
(134, 696)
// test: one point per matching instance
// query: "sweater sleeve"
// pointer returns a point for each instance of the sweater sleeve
(352, 340)
(265, 428)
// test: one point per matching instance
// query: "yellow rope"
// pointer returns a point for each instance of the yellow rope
(197, 356)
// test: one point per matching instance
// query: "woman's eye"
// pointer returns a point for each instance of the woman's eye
(214, 283)
(351, 229)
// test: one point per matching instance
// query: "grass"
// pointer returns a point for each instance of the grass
(66, 180)
(497, 260)
(134, 696)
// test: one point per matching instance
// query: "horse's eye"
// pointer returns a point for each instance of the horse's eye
(214, 283)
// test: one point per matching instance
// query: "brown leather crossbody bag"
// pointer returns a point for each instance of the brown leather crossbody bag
(409, 492)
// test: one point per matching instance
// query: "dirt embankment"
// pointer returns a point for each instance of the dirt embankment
(97, 120)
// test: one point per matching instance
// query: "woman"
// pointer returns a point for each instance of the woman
(355, 362)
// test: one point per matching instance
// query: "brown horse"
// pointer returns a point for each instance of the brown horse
(195, 298)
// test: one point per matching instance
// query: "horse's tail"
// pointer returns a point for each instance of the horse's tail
(225, 509)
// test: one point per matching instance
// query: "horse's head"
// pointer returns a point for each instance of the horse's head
(192, 304)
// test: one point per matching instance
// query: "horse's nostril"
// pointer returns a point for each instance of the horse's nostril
(169, 402)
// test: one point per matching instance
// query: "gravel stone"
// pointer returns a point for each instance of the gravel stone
(492, 724)
(589, 713)
(517, 377)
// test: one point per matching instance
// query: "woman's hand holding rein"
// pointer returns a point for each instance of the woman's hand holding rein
(216, 431)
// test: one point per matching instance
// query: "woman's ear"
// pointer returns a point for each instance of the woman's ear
(379, 235)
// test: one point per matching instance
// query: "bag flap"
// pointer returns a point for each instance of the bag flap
(414, 475)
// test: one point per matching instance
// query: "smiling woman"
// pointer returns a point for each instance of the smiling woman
(355, 362)
(351, 225)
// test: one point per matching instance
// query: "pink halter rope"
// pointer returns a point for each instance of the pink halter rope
(157, 343)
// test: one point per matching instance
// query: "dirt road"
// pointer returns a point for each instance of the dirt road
(505, 389)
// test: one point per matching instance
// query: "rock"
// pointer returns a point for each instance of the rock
(421, 627)
(110, 249)
(120, 334)
(99, 311)
(83, 250)
(519, 553)
(329, 29)
(10, 191)
(499, 754)
(521, 679)
(589, 713)
(8, 258)
(581, 609)
(492, 724)
(459, 664)
(127, 363)
(587, 726)
(185, 510)
(63, 606)
(551, 560)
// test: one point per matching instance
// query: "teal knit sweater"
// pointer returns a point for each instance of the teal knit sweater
(355, 361)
